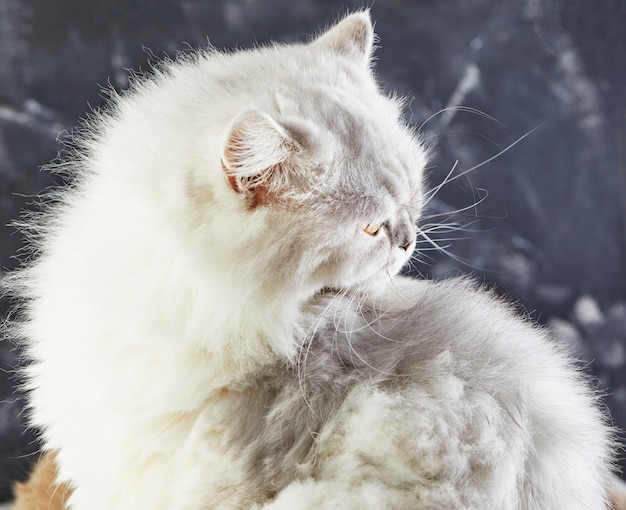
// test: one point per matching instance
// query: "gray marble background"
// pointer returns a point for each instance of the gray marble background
(545, 221)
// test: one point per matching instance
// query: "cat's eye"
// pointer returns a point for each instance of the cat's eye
(372, 228)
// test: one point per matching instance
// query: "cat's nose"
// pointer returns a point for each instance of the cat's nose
(406, 238)
(407, 244)
(404, 234)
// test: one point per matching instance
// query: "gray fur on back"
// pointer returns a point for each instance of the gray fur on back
(471, 374)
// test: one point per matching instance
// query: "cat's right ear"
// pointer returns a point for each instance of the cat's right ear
(352, 37)
(256, 156)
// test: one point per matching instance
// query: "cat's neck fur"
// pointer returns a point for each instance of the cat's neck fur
(244, 317)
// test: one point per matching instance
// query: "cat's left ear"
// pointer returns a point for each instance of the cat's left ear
(352, 37)
(256, 156)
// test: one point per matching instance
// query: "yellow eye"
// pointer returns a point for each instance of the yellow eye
(372, 228)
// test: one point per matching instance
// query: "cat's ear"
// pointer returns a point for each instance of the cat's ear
(256, 154)
(352, 37)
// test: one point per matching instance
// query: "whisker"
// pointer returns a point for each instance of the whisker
(466, 109)
(305, 348)
(412, 265)
(430, 194)
(444, 240)
(445, 250)
(446, 227)
(488, 160)
(436, 247)
(453, 213)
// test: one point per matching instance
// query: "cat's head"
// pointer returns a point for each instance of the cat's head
(321, 171)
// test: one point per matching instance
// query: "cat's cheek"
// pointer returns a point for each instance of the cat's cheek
(364, 263)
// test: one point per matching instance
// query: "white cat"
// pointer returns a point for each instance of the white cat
(214, 320)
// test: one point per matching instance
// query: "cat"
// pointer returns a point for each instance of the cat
(214, 316)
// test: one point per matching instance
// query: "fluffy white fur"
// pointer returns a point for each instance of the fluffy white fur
(177, 301)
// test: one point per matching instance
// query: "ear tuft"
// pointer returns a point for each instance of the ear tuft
(352, 37)
(255, 148)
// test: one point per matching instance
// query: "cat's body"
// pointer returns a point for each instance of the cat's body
(424, 405)
(423, 397)
(186, 355)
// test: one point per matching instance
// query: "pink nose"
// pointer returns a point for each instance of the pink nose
(407, 247)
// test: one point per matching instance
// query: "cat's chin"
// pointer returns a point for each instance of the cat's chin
(381, 278)
(376, 282)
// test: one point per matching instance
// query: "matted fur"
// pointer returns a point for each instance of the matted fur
(213, 322)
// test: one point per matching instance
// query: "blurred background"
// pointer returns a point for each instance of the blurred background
(530, 92)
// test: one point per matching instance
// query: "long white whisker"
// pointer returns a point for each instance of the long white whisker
(488, 160)
(444, 249)
(437, 247)
(444, 228)
(443, 240)
(305, 348)
(452, 214)
(467, 109)
(430, 194)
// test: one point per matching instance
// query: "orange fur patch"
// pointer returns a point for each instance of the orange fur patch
(41, 492)
(618, 494)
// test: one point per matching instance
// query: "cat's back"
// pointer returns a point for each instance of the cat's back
(444, 396)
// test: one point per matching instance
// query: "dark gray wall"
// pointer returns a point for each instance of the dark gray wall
(550, 226)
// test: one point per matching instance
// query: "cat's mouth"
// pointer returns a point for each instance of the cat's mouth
(400, 258)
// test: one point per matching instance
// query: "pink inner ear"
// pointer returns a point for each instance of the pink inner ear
(352, 37)
(233, 182)
(255, 157)
(361, 38)
(256, 195)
